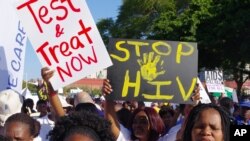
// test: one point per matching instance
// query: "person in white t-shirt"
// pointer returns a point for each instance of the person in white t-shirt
(46, 120)
(145, 123)
(46, 125)
(150, 133)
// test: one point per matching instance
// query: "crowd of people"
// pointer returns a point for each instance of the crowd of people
(84, 119)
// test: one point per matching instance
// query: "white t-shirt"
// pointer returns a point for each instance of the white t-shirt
(46, 126)
(171, 135)
(124, 135)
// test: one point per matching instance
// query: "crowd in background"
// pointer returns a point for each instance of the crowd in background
(86, 118)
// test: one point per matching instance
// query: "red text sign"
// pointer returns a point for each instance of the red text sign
(65, 38)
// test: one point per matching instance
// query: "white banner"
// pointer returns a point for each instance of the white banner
(13, 42)
(65, 38)
(214, 81)
(203, 94)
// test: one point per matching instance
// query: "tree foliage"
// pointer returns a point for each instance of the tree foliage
(221, 29)
(31, 87)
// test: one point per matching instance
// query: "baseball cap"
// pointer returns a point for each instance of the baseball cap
(245, 104)
(10, 103)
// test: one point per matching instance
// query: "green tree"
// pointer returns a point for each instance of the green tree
(224, 39)
(221, 29)
(31, 87)
(135, 20)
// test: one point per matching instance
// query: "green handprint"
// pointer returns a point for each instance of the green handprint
(149, 66)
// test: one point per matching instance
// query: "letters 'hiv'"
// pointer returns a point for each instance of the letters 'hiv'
(152, 70)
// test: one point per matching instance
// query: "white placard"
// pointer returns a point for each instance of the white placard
(214, 81)
(65, 38)
(13, 40)
(235, 97)
(203, 94)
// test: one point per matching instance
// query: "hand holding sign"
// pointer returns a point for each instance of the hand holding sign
(149, 66)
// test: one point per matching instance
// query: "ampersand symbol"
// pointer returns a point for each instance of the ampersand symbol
(59, 31)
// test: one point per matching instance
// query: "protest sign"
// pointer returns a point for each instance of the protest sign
(65, 38)
(3, 70)
(214, 81)
(152, 70)
(235, 97)
(13, 40)
(203, 94)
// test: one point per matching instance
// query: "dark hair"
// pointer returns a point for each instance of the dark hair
(29, 101)
(86, 131)
(157, 126)
(123, 115)
(83, 123)
(40, 101)
(86, 107)
(166, 109)
(34, 125)
(226, 102)
(3, 138)
(194, 114)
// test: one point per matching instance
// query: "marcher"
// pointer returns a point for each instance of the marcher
(244, 117)
(227, 104)
(81, 126)
(21, 126)
(145, 124)
(207, 122)
(168, 117)
(30, 104)
(42, 107)
(78, 125)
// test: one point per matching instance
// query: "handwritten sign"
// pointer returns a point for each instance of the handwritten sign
(214, 81)
(65, 38)
(152, 70)
(13, 40)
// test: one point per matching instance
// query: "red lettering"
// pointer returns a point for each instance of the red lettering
(76, 63)
(53, 52)
(88, 61)
(59, 31)
(78, 43)
(43, 12)
(32, 12)
(73, 64)
(64, 9)
(72, 6)
(64, 50)
(85, 31)
(67, 72)
(44, 55)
